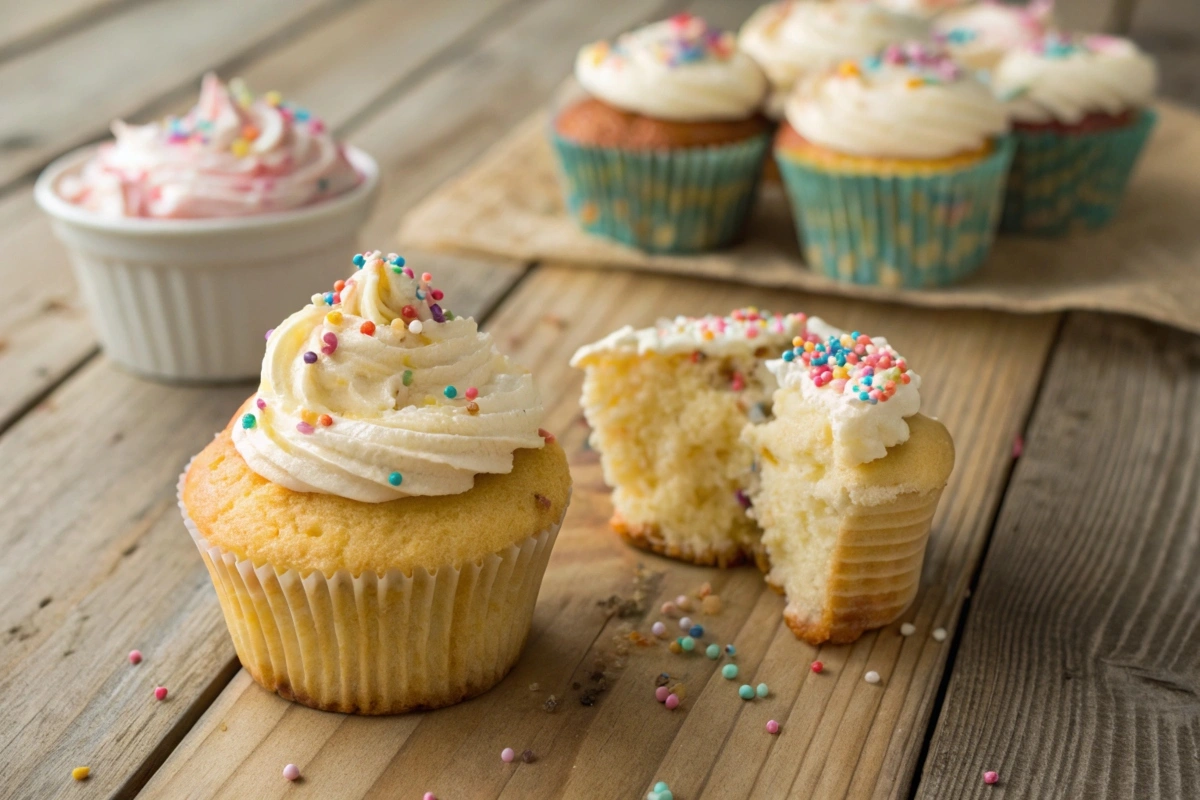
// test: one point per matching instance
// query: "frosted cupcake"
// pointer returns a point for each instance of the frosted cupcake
(1081, 115)
(979, 35)
(243, 191)
(895, 167)
(792, 40)
(665, 152)
(377, 518)
(849, 477)
(667, 406)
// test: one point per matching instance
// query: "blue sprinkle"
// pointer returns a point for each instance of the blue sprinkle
(864, 396)
(329, 298)
(395, 479)
(301, 114)
(730, 650)
(696, 631)
(788, 355)
(359, 260)
(398, 261)
(866, 381)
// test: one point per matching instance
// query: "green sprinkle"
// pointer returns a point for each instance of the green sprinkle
(408, 377)
(449, 315)
(661, 786)
(688, 643)
(249, 421)
(450, 392)
(397, 270)
(746, 692)
(395, 479)
(729, 671)
(761, 690)
(713, 652)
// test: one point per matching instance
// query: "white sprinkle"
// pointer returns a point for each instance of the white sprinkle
(871, 677)
(291, 772)
(415, 326)
(939, 634)
(908, 629)
(685, 623)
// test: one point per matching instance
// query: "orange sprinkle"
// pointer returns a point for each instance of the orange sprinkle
(325, 420)
(848, 69)
(339, 285)
(250, 132)
(472, 408)
(367, 327)
(914, 83)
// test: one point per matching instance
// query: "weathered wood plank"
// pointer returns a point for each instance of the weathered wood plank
(715, 745)
(47, 335)
(1079, 671)
(26, 24)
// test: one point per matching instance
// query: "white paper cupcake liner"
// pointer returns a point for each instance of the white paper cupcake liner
(379, 644)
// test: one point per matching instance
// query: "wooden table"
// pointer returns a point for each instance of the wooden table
(1066, 578)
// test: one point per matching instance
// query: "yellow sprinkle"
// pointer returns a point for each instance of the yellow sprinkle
(334, 318)
(273, 97)
(914, 83)
(309, 416)
(81, 773)
(398, 326)
(407, 361)
(797, 341)
(708, 335)
(848, 69)
(430, 400)
(240, 148)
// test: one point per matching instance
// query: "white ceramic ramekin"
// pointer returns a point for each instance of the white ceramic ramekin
(191, 299)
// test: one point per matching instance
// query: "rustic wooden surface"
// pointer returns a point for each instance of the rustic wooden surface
(96, 562)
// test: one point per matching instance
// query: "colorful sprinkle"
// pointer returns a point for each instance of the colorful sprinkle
(407, 378)
(669, 609)
(713, 651)
(305, 427)
(684, 602)
(818, 667)
(687, 643)
(746, 691)
(672, 701)
(262, 404)
(450, 392)
(527, 756)
(872, 677)
(395, 479)
(685, 623)
(331, 343)
(472, 393)
(249, 421)
(268, 335)
(761, 690)
(135, 656)
(291, 772)
(730, 650)
(472, 408)
(991, 777)
(907, 629)
(675, 647)
(415, 326)
(310, 357)
(367, 328)
(772, 727)
(507, 755)
(160, 693)
(660, 693)
(939, 634)
(359, 260)
(696, 631)
(325, 420)
(81, 773)
(658, 629)
(429, 796)
(729, 671)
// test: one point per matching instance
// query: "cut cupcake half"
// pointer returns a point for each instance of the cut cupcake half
(667, 406)
(848, 477)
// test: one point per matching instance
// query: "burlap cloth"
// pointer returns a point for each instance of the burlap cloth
(1147, 263)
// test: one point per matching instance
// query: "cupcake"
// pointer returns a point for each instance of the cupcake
(1080, 107)
(979, 35)
(667, 406)
(376, 519)
(849, 476)
(792, 40)
(242, 191)
(665, 151)
(895, 167)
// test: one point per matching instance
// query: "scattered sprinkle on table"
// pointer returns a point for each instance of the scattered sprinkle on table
(772, 726)
(661, 693)
(746, 691)
(82, 773)
(672, 702)
(135, 656)
(1018, 446)
(528, 757)
(658, 629)
(711, 604)
(730, 650)
(713, 651)
(761, 690)
(507, 755)
(660, 792)
(675, 647)
(687, 643)
(685, 623)
(696, 631)
(908, 629)
(291, 772)
(871, 677)
(429, 796)
(939, 634)
(669, 609)
(729, 671)
(818, 667)
(683, 602)
(991, 777)
(160, 693)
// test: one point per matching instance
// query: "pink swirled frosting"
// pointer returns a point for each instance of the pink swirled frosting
(232, 155)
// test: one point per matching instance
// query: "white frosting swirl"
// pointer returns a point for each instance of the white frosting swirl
(229, 156)
(980, 35)
(1064, 79)
(863, 429)
(742, 332)
(910, 103)
(678, 69)
(794, 39)
(391, 427)
(918, 8)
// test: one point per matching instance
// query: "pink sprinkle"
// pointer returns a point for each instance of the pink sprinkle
(291, 772)
(429, 796)
(135, 656)
(672, 702)
(316, 126)
(262, 404)
(658, 629)
(991, 777)
(437, 294)
(268, 336)
(1018, 446)
(547, 435)
(507, 755)
(772, 726)
(160, 693)
(304, 428)
(472, 393)
(408, 272)
(669, 609)
(817, 666)
(661, 694)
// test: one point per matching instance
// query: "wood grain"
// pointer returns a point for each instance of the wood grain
(1079, 671)
(715, 746)
(27, 24)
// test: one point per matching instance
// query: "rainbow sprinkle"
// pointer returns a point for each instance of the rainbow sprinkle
(687, 39)
(931, 65)
(851, 364)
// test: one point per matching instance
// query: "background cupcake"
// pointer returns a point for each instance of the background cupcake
(377, 518)
(979, 35)
(1081, 116)
(895, 167)
(665, 152)
(792, 40)
(244, 191)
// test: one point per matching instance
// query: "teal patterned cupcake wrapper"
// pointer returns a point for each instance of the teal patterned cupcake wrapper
(685, 200)
(912, 230)
(1063, 182)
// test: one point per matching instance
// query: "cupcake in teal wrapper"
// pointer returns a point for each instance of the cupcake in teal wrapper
(665, 151)
(895, 167)
(1081, 117)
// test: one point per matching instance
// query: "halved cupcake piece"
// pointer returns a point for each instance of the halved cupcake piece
(667, 406)
(849, 476)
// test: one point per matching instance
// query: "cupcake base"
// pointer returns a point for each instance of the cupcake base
(379, 644)
(650, 538)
